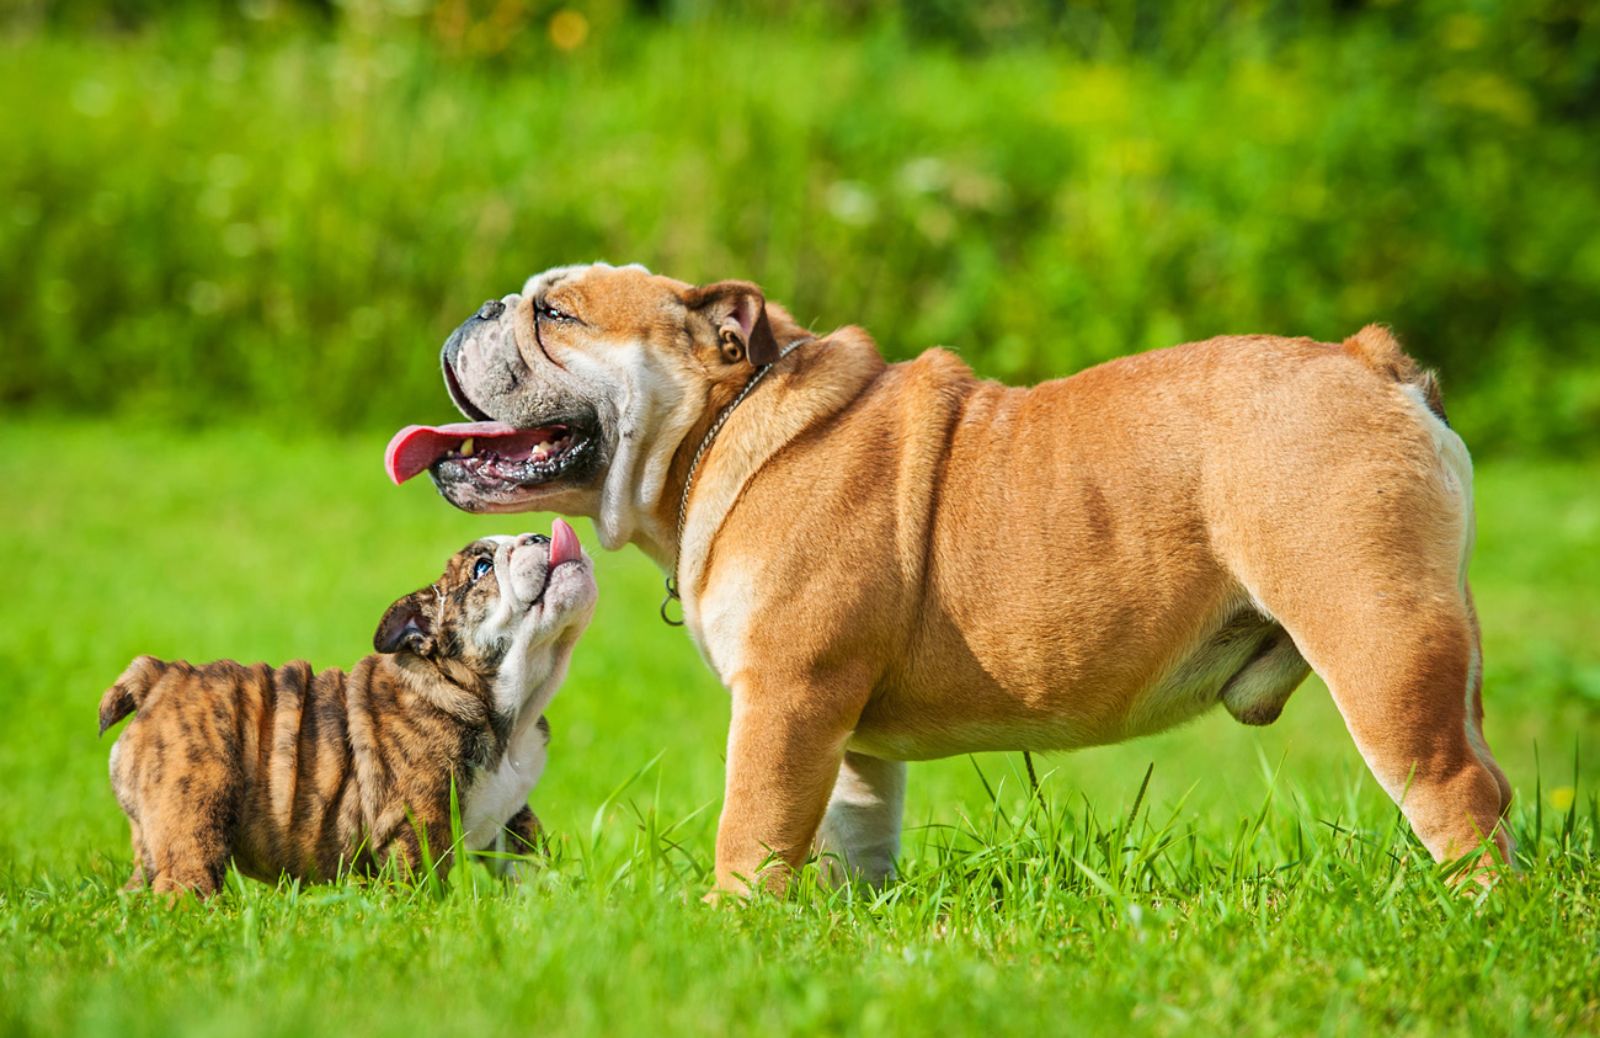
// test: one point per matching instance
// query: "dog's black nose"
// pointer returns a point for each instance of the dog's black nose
(490, 310)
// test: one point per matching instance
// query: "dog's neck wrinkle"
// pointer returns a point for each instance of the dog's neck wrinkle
(645, 479)
(468, 699)
(663, 547)
(815, 383)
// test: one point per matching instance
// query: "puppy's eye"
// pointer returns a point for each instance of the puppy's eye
(481, 567)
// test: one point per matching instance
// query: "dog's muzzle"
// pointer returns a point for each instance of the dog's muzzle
(491, 310)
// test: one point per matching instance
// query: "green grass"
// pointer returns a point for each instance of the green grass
(1260, 885)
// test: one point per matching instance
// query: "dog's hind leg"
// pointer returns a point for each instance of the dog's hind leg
(188, 838)
(141, 860)
(124, 784)
(1399, 654)
(1403, 686)
(1362, 558)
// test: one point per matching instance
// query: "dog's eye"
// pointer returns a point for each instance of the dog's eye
(482, 566)
(551, 313)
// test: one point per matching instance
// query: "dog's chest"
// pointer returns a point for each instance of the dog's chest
(718, 619)
(496, 794)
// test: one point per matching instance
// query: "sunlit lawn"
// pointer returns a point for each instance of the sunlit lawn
(1262, 887)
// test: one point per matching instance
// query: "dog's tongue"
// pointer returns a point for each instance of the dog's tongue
(564, 545)
(416, 447)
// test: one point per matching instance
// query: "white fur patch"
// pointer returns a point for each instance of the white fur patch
(1474, 675)
(655, 407)
(1455, 470)
(496, 796)
(717, 618)
(544, 277)
(862, 825)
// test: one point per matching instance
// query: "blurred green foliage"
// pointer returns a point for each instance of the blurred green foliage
(283, 208)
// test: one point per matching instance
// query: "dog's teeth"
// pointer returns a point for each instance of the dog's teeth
(466, 446)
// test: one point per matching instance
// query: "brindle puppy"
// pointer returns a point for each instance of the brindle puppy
(286, 771)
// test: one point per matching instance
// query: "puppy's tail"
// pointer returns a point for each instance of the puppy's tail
(130, 690)
(1376, 347)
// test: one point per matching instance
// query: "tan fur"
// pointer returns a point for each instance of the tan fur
(287, 771)
(1379, 350)
(904, 561)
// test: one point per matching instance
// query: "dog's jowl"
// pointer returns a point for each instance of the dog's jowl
(282, 770)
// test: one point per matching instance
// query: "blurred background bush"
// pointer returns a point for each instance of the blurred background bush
(279, 208)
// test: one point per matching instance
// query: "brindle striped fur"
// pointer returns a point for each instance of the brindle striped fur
(289, 771)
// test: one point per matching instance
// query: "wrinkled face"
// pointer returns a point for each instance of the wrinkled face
(504, 616)
(581, 387)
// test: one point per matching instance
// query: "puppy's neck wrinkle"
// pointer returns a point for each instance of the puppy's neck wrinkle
(444, 685)
(450, 689)
(405, 751)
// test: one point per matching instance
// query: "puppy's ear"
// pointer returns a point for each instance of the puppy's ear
(738, 311)
(407, 626)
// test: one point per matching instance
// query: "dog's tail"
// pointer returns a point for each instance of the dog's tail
(130, 690)
(1377, 348)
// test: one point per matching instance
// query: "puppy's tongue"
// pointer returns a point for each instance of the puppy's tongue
(416, 447)
(564, 545)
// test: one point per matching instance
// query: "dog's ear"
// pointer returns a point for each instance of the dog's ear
(738, 311)
(407, 626)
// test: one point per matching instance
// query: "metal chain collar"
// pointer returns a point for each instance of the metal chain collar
(694, 466)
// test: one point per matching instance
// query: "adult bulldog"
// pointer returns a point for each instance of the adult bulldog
(894, 562)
